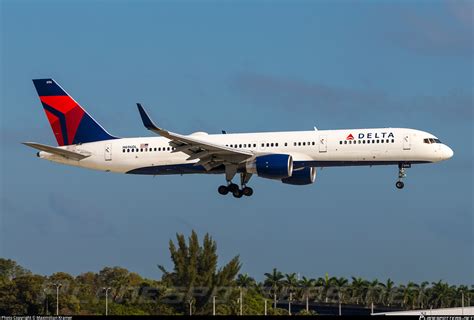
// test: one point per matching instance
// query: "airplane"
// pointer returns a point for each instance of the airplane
(289, 157)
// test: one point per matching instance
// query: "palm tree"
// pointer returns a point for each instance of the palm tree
(422, 294)
(358, 289)
(245, 281)
(340, 285)
(442, 294)
(387, 294)
(373, 292)
(324, 284)
(290, 282)
(306, 285)
(462, 291)
(274, 281)
(409, 294)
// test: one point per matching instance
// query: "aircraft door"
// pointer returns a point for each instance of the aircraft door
(323, 145)
(406, 142)
(108, 152)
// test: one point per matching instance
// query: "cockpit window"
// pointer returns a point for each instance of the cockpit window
(431, 140)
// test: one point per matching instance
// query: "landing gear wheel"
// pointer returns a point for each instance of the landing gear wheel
(223, 190)
(238, 193)
(233, 187)
(247, 191)
(399, 184)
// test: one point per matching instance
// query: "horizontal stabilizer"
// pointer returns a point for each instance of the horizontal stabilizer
(57, 151)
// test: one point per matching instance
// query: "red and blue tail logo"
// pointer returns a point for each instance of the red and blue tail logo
(71, 124)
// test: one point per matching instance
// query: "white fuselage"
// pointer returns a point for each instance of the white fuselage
(318, 148)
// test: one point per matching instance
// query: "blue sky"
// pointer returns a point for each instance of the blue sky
(242, 66)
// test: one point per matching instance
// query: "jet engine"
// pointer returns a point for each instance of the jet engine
(271, 166)
(301, 177)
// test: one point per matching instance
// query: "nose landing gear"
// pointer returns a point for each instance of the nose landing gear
(401, 174)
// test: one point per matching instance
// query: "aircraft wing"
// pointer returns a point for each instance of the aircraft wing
(57, 151)
(210, 155)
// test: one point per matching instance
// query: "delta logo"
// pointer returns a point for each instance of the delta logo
(371, 135)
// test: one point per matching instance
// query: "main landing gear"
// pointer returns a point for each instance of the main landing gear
(401, 174)
(234, 188)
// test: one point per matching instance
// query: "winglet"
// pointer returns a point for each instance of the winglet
(147, 122)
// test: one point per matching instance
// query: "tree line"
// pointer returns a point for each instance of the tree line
(196, 284)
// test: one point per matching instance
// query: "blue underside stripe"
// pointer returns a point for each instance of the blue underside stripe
(189, 168)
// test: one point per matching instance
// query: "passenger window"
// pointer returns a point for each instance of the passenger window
(286, 144)
(263, 144)
(359, 141)
(268, 144)
(294, 143)
(299, 144)
(378, 141)
(363, 141)
(276, 144)
(340, 142)
(368, 141)
(304, 143)
(345, 142)
(254, 145)
(373, 141)
(381, 141)
(393, 140)
(387, 141)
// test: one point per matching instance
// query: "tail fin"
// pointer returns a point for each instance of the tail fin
(71, 124)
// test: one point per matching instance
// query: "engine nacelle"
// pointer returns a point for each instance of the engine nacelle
(301, 177)
(271, 166)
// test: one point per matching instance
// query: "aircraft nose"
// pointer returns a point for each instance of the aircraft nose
(447, 152)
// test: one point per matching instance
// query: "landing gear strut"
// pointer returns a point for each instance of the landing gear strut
(234, 188)
(401, 174)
